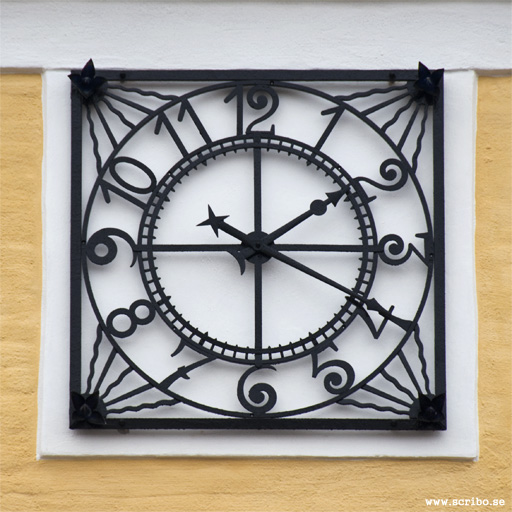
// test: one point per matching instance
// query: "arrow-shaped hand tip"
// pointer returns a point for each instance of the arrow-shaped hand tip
(334, 197)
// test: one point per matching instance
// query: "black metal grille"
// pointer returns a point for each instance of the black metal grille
(257, 250)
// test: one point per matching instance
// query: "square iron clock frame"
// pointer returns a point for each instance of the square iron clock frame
(257, 250)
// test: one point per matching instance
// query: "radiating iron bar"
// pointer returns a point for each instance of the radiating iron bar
(385, 395)
(95, 354)
(132, 104)
(349, 401)
(384, 104)
(116, 382)
(95, 142)
(118, 113)
(422, 359)
(398, 113)
(167, 97)
(409, 371)
(365, 94)
(105, 125)
(95, 146)
(397, 384)
(134, 392)
(106, 368)
(133, 408)
(408, 127)
(419, 139)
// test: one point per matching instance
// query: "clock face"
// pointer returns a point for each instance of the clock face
(256, 252)
(255, 255)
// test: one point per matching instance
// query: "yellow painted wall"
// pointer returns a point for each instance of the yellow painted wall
(244, 485)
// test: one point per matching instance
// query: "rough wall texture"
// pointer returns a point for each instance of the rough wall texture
(224, 485)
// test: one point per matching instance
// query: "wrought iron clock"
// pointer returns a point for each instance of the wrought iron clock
(257, 250)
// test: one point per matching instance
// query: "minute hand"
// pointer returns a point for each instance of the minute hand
(371, 304)
(274, 253)
(317, 207)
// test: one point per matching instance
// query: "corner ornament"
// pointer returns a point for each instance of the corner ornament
(429, 411)
(88, 410)
(87, 83)
(426, 88)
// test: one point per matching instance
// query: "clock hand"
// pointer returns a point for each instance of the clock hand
(274, 253)
(251, 246)
(371, 304)
(317, 207)
(217, 223)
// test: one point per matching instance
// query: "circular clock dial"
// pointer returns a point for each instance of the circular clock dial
(256, 249)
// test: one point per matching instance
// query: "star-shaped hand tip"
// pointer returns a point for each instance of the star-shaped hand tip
(213, 221)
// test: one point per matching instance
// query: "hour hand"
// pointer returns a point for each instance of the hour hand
(214, 221)
(317, 207)
(218, 223)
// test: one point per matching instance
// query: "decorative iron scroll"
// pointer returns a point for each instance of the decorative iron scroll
(257, 250)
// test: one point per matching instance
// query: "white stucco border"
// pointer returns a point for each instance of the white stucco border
(213, 34)
(459, 441)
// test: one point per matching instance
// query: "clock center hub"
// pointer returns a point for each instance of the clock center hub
(257, 244)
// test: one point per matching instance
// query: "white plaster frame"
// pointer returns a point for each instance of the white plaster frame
(471, 35)
(289, 34)
(459, 441)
